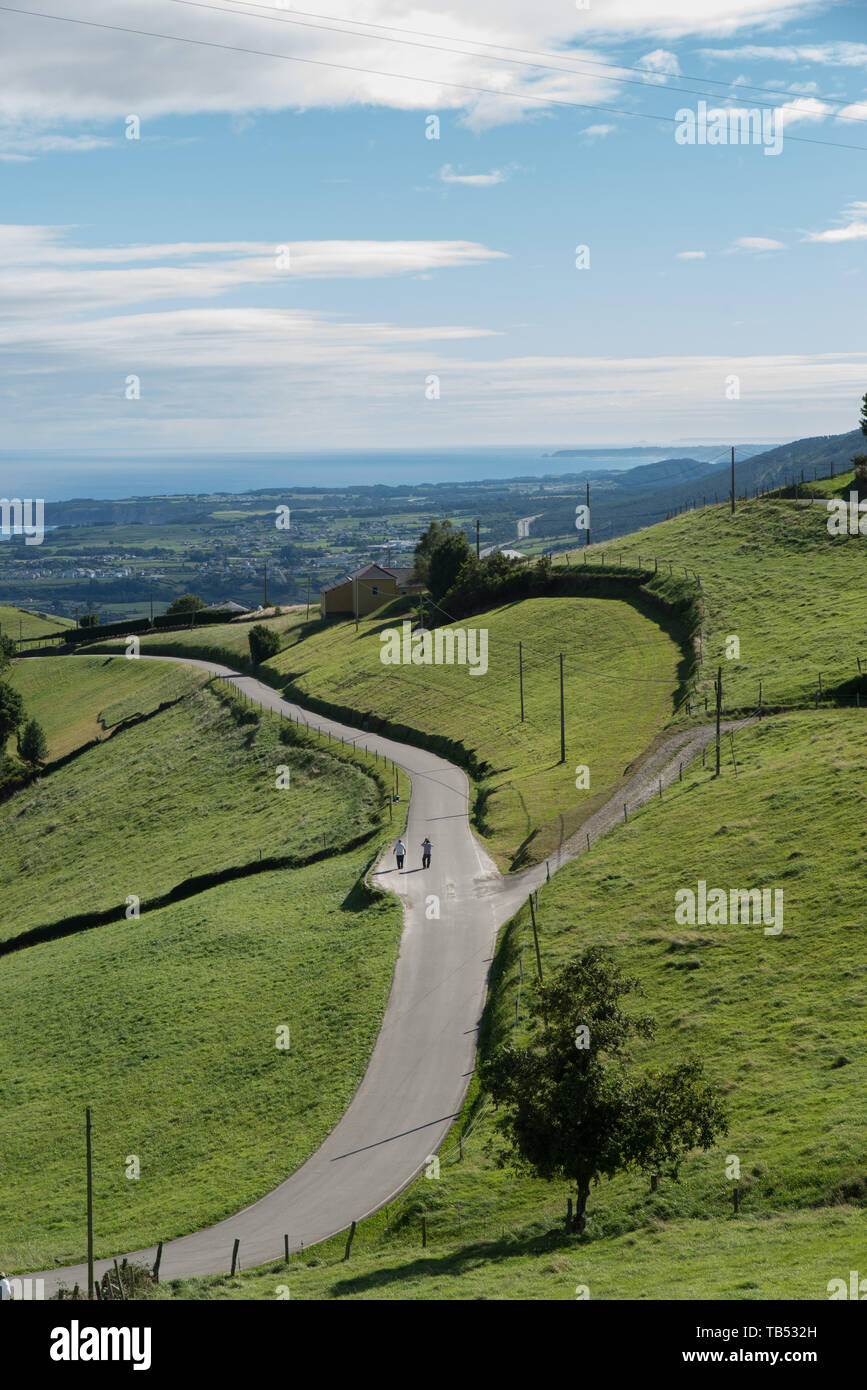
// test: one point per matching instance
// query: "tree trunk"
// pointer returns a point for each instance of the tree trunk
(581, 1207)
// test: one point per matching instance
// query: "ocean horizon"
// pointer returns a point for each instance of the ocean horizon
(58, 478)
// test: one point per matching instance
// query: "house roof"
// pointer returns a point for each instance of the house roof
(227, 606)
(358, 574)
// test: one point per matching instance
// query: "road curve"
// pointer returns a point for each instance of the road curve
(424, 1055)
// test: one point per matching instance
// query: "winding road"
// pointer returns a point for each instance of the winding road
(424, 1055)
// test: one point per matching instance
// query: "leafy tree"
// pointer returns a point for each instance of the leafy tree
(860, 462)
(264, 642)
(427, 543)
(187, 603)
(33, 745)
(447, 560)
(11, 712)
(863, 420)
(7, 650)
(89, 620)
(571, 1109)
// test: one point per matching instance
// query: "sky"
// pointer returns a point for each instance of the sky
(281, 258)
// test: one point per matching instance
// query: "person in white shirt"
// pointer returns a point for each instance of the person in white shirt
(400, 853)
(5, 1289)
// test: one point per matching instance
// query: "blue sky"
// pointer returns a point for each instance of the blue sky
(411, 258)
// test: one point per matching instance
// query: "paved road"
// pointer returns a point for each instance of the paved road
(424, 1056)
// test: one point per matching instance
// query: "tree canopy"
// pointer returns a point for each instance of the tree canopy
(571, 1107)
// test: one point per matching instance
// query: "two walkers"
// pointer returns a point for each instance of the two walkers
(426, 848)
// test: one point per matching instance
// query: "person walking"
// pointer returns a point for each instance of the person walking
(426, 848)
(400, 853)
(5, 1289)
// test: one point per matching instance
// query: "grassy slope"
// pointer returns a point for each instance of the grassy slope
(608, 722)
(778, 1022)
(81, 699)
(187, 792)
(773, 576)
(20, 621)
(166, 1028)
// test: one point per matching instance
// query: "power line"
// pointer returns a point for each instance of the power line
(533, 52)
(339, 27)
(377, 72)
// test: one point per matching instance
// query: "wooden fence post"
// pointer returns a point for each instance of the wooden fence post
(349, 1240)
(235, 1248)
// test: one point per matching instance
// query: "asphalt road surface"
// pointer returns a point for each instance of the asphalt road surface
(424, 1055)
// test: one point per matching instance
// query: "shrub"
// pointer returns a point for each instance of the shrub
(264, 642)
(33, 747)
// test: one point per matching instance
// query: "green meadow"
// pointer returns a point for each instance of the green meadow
(20, 622)
(79, 699)
(621, 675)
(776, 1019)
(167, 1028)
(772, 576)
(187, 792)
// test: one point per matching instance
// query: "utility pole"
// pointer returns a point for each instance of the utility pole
(265, 588)
(718, 713)
(587, 532)
(477, 538)
(152, 607)
(562, 716)
(355, 584)
(308, 596)
(89, 1205)
(521, 676)
(733, 480)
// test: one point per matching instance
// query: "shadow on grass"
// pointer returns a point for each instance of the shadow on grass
(456, 1262)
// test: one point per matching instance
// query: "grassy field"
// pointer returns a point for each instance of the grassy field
(80, 699)
(166, 1027)
(621, 675)
(777, 1020)
(187, 792)
(17, 622)
(785, 1257)
(772, 576)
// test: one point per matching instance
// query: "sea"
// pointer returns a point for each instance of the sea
(55, 478)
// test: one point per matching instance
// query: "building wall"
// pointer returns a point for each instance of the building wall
(342, 599)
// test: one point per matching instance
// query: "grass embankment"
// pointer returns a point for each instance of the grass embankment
(772, 576)
(21, 622)
(190, 791)
(166, 1027)
(621, 677)
(166, 1024)
(77, 700)
(777, 1020)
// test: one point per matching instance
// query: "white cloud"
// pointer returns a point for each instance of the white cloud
(56, 75)
(448, 175)
(661, 64)
(691, 255)
(856, 230)
(758, 243)
(838, 54)
(596, 132)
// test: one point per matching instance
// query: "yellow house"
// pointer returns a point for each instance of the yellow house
(366, 589)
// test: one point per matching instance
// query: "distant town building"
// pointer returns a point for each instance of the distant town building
(365, 590)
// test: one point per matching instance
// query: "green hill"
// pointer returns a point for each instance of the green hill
(772, 576)
(166, 1028)
(777, 1021)
(77, 701)
(188, 792)
(614, 650)
(19, 622)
